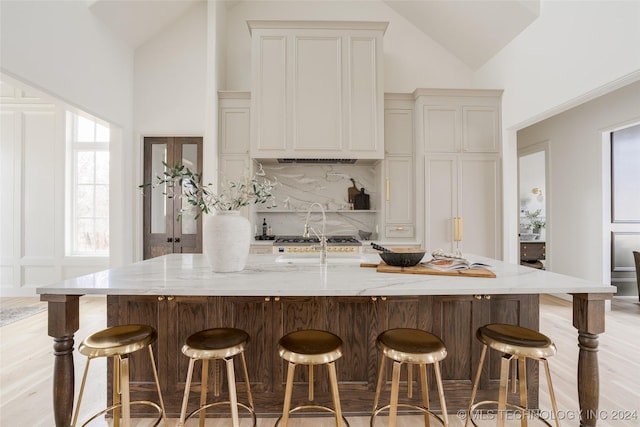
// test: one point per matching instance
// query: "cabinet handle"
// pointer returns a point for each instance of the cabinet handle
(478, 297)
(487, 297)
(276, 299)
(170, 298)
(457, 229)
(267, 299)
(374, 299)
(383, 298)
(160, 298)
(387, 188)
(399, 228)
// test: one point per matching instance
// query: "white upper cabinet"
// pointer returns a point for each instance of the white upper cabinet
(317, 89)
(459, 121)
(234, 122)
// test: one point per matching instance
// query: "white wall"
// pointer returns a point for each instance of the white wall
(170, 78)
(60, 47)
(412, 59)
(573, 52)
(576, 172)
(62, 51)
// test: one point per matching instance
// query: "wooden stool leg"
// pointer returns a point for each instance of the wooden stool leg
(185, 399)
(443, 404)
(124, 387)
(204, 380)
(425, 393)
(522, 379)
(475, 383)
(233, 397)
(333, 378)
(246, 378)
(395, 389)
(155, 376)
(502, 396)
(287, 394)
(84, 380)
(383, 361)
(551, 393)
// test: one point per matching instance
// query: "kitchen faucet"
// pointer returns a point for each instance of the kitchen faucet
(322, 237)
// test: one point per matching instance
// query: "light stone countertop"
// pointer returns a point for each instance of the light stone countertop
(189, 274)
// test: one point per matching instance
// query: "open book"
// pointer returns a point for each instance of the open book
(453, 264)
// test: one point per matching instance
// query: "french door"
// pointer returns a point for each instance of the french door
(163, 232)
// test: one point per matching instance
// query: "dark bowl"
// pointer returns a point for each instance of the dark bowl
(407, 257)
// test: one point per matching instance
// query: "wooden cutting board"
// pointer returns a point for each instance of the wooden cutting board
(421, 269)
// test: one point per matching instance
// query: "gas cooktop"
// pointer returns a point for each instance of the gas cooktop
(332, 240)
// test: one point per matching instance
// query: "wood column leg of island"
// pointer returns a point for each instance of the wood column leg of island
(63, 322)
(588, 319)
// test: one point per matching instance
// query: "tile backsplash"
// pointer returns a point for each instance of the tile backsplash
(300, 185)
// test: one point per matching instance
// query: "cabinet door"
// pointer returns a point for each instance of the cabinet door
(269, 94)
(479, 204)
(254, 315)
(234, 125)
(317, 93)
(441, 200)
(292, 314)
(399, 190)
(143, 310)
(440, 128)
(398, 132)
(184, 316)
(355, 320)
(481, 128)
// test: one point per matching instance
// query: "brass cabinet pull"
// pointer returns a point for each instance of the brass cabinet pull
(383, 298)
(387, 189)
(399, 228)
(170, 298)
(267, 299)
(160, 298)
(478, 297)
(457, 229)
(276, 299)
(487, 297)
(374, 299)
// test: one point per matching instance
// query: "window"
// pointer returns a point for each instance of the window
(88, 190)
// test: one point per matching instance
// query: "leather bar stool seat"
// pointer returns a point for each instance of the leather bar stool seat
(517, 344)
(412, 347)
(118, 342)
(217, 344)
(311, 347)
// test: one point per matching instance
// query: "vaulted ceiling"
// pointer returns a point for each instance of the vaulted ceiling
(472, 30)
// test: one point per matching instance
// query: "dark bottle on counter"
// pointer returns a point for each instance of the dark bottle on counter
(264, 227)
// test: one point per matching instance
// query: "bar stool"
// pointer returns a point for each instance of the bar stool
(216, 344)
(311, 347)
(517, 344)
(119, 342)
(413, 347)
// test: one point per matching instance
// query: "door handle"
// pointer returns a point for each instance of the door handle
(177, 240)
(169, 239)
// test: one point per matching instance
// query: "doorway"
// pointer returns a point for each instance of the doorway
(533, 205)
(169, 223)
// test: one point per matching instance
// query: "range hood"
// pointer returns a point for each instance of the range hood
(318, 161)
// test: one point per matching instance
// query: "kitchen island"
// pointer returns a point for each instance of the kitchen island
(177, 293)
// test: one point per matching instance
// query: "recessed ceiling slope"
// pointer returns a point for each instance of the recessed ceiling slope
(472, 30)
(137, 21)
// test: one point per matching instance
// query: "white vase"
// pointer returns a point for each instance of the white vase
(226, 238)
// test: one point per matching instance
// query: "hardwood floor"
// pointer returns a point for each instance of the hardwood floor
(26, 365)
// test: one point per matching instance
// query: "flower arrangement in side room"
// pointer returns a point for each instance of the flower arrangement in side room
(182, 182)
(536, 222)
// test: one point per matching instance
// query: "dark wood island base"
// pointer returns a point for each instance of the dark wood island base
(357, 320)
